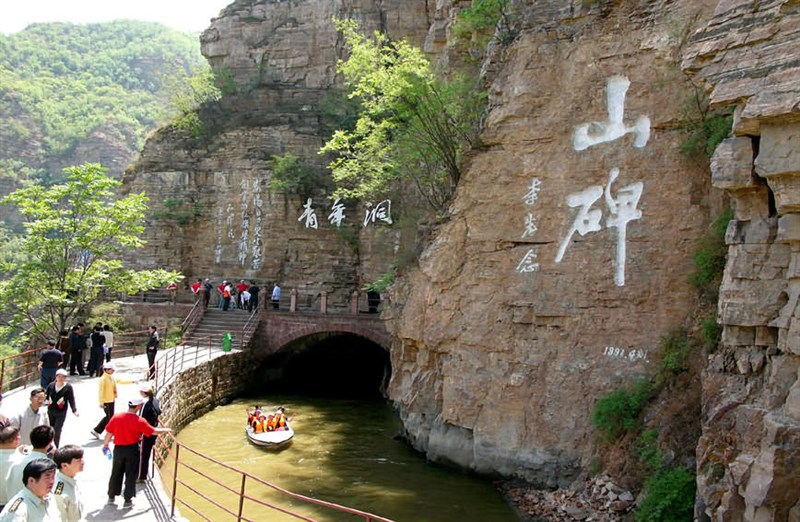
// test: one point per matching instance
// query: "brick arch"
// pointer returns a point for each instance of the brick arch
(279, 329)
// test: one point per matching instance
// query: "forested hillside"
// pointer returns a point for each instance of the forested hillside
(75, 93)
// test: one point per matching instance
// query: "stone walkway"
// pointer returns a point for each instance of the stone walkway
(150, 503)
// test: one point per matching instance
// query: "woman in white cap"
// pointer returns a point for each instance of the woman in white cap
(59, 394)
(151, 411)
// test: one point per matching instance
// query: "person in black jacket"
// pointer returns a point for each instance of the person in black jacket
(153, 342)
(95, 367)
(77, 346)
(254, 291)
(59, 395)
(150, 412)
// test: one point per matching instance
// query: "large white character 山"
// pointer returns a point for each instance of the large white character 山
(589, 134)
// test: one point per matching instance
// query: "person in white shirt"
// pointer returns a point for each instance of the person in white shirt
(109, 335)
(69, 460)
(33, 415)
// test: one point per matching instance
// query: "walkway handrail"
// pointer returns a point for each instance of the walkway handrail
(169, 448)
(19, 369)
(175, 360)
(250, 327)
(194, 316)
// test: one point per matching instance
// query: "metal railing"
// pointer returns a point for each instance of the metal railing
(193, 318)
(183, 356)
(177, 471)
(19, 370)
(249, 328)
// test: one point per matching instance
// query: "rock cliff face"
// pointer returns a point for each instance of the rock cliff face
(214, 214)
(749, 453)
(567, 253)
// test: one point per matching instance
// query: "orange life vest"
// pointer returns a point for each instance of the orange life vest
(278, 421)
(259, 426)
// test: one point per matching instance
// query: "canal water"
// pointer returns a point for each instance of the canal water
(345, 452)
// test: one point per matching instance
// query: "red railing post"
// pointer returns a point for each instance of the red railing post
(175, 479)
(241, 499)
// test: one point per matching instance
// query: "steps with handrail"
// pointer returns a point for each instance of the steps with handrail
(215, 323)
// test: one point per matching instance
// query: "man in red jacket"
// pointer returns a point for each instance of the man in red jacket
(126, 429)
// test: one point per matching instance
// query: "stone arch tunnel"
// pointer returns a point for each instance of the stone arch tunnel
(323, 355)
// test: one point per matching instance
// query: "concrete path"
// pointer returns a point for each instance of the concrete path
(150, 503)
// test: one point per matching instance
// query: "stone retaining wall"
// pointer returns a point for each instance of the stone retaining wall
(196, 391)
(141, 315)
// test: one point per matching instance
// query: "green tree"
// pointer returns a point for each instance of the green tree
(75, 234)
(294, 175)
(190, 94)
(412, 126)
(483, 20)
(61, 83)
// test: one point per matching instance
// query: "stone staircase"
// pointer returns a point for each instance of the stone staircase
(214, 325)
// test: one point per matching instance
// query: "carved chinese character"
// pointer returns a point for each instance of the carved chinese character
(337, 213)
(309, 214)
(590, 134)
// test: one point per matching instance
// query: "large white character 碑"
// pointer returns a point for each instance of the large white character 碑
(587, 220)
(589, 134)
(622, 210)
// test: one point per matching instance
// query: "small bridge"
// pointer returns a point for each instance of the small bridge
(282, 328)
(277, 328)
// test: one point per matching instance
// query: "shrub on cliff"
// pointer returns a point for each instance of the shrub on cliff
(411, 127)
(670, 497)
(618, 411)
(294, 175)
(482, 21)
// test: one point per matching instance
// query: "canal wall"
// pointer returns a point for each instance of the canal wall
(198, 390)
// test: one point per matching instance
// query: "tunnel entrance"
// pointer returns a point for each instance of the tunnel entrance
(329, 365)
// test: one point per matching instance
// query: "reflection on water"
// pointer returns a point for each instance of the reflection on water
(343, 452)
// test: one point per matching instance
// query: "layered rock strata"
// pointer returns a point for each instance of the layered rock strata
(213, 213)
(749, 454)
(569, 247)
(567, 253)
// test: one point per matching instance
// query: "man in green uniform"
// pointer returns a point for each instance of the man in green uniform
(34, 502)
(69, 460)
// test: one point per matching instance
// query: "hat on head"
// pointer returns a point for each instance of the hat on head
(109, 366)
(145, 387)
(135, 402)
(62, 371)
(51, 342)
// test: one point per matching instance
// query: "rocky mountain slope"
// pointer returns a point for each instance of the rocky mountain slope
(567, 252)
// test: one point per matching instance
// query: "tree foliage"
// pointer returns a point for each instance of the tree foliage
(411, 125)
(483, 20)
(294, 175)
(192, 92)
(60, 82)
(75, 235)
